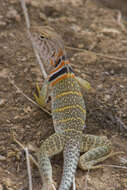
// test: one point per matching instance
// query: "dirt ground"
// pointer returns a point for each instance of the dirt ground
(81, 26)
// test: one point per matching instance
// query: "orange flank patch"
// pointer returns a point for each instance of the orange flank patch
(67, 75)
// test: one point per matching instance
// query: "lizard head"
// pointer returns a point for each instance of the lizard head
(49, 45)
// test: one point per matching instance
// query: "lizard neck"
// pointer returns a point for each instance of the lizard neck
(62, 71)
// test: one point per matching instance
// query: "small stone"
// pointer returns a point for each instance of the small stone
(35, 4)
(107, 97)
(42, 16)
(27, 126)
(31, 147)
(8, 183)
(18, 18)
(2, 101)
(75, 27)
(112, 72)
(110, 32)
(13, 14)
(27, 109)
(28, 2)
(72, 59)
(11, 154)
(2, 158)
(80, 45)
(2, 23)
(1, 187)
(72, 19)
(106, 73)
(100, 86)
(84, 76)
(121, 86)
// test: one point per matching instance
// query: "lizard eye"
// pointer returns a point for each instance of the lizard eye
(42, 37)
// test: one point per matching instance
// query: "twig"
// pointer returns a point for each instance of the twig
(114, 166)
(74, 186)
(86, 181)
(28, 168)
(99, 54)
(123, 160)
(27, 20)
(23, 5)
(28, 98)
(120, 122)
(23, 147)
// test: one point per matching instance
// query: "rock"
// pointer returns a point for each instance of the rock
(13, 14)
(1, 187)
(2, 23)
(1, 159)
(2, 102)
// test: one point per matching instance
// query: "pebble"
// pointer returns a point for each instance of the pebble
(107, 97)
(110, 32)
(2, 101)
(27, 109)
(100, 86)
(1, 187)
(2, 23)
(35, 4)
(81, 46)
(13, 14)
(2, 158)
(42, 16)
(112, 72)
(76, 28)
(31, 147)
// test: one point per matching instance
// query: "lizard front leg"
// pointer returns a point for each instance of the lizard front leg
(42, 94)
(84, 84)
(97, 150)
(50, 147)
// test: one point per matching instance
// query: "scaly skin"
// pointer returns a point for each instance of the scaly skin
(68, 113)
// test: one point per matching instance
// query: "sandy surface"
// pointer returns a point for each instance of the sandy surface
(81, 26)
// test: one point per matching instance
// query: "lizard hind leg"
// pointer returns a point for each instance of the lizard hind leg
(50, 147)
(98, 149)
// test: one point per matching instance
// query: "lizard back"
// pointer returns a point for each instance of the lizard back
(68, 107)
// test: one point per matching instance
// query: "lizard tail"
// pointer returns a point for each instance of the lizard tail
(71, 157)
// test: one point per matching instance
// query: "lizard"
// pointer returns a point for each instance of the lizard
(68, 113)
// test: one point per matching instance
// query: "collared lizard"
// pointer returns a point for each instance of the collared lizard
(68, 113)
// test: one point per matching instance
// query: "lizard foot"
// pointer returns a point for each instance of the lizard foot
(49, 186)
